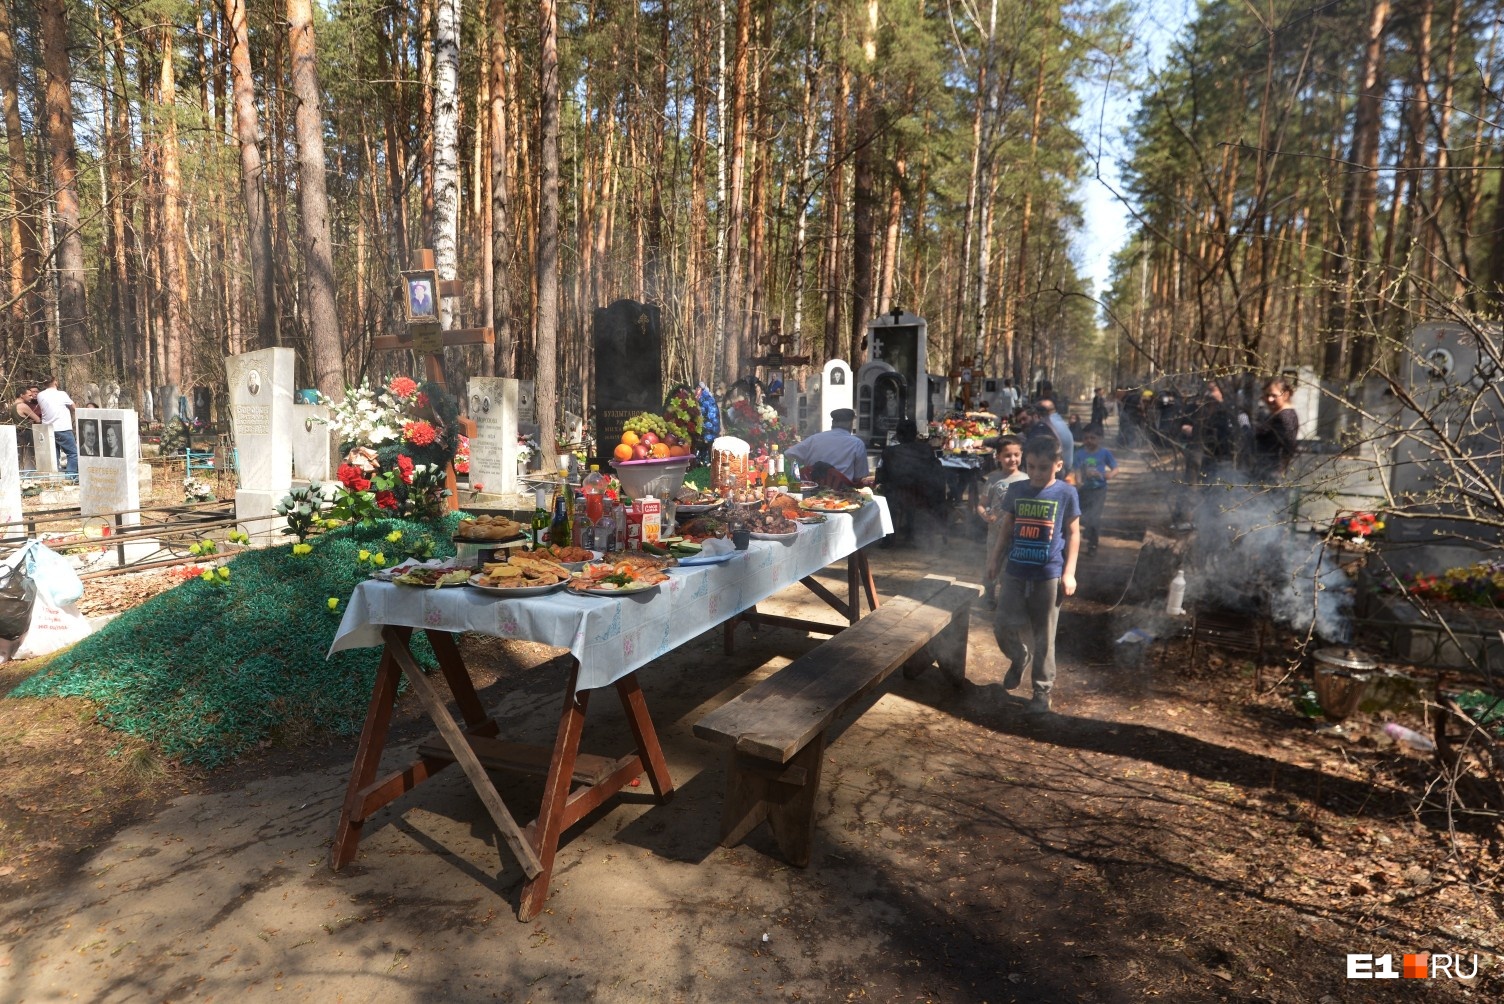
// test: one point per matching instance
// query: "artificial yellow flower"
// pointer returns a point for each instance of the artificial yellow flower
(364, 555)
(394, 536)
(333, 602)
(378, 559)
(224, 572)
(207, 575)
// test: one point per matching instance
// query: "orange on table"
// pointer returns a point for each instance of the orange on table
(630, 438)
(623, 451)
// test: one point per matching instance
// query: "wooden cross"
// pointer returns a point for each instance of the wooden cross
(966, 379)
(431, 341)
(775, 340)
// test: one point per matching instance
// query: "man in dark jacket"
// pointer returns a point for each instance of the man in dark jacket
(913, 480)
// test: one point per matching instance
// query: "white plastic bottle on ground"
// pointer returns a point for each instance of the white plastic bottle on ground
(1175, 600)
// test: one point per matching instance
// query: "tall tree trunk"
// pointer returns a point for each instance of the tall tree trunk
(313, 205)
(834, 197)
(252, 181)
(174, 236)
(734, 332)
(446, 146)
(24, 253)
(863, 183)
(72, 304)
(546, 344)
(505, 354)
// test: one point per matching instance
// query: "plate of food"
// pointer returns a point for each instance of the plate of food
(772, 525)
(520, 575)
(702, 528)
(429, 577)
(774, 536)
(572, 558)
(832, 503)
(620, 578)
(810, 519)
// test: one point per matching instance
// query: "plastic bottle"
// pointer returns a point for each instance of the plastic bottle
(580, 525)
(594, 490)
(1175, 600)
(1409, 737)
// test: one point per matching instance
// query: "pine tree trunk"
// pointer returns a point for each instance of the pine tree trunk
(547, 339)
(863, 184)
(505, 354)
(24, 254)
(252, 183)
(734, 331)
(834, 196)
(72, 303)
(313, 206)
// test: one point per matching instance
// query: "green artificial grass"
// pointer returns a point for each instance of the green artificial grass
(207, 671)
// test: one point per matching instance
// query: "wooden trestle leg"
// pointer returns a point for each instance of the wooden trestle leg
(562, 808)
(352, 814)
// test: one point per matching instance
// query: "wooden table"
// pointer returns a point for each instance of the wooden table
(575, 783)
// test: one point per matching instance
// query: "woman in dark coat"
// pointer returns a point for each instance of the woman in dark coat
(1276, 433)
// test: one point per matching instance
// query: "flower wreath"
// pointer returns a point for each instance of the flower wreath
(429, 435)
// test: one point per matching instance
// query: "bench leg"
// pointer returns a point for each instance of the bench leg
(782, 794)
(949, 647)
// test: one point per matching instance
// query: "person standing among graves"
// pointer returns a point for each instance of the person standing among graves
(1095, 466)
(24, 408)
(1008, 451)
(1046, 407)
(1098, 409)
(913, 479)
(1276, 432)
(838, 448)
(1041, 539)
(56, 409)
(1007, 401)
(1210, 432)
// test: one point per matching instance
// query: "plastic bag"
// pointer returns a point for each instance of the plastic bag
(18, 595)
(52, 574)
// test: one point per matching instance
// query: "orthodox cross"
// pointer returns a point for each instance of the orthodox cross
(966, 380)
(775, 340)
(429, 339)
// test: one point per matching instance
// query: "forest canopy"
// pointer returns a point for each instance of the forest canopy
(185, 180)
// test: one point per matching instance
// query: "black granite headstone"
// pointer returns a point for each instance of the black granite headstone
(628, 341)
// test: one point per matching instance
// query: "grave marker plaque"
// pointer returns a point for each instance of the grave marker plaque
(493, 447)
(44, 449)
(628, 342)
(261, 414)
(109, 448)
(837, 390)
(310, 442)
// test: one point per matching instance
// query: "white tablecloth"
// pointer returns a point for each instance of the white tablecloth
(613, 635)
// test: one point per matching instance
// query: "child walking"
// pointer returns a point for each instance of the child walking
(1041, 537)
(1095, 466)
(1009, 453)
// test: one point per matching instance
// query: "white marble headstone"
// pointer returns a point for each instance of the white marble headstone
(1306, 399)
(44, 449)
(837, 390)
(310, 442)
(527, 409)
(10, 480)
(493, 449)
(261, 415)
(109, 452)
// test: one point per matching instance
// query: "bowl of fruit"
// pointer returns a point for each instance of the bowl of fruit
(650, 460)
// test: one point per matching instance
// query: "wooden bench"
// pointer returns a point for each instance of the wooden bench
(775, 731)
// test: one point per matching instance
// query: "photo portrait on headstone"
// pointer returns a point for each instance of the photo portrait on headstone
(88, 437)
(421, 304)
(114, 438)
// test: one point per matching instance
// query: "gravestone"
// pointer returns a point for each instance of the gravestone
(109, 452)
(311, 450)
(628, 342)
(44, 449)
(1305, 397)
(493, 448)
(837, 390)
(261, 415)
(112, 396)
(10, 481)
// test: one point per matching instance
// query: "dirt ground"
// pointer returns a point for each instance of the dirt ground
(1169, 832)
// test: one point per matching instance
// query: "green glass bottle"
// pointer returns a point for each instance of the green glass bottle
(541, 517)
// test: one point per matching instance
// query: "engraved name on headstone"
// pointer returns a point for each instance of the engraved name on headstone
(493, 408)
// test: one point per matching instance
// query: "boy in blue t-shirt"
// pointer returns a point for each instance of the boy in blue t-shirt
(1095, 466)
(1041, 536)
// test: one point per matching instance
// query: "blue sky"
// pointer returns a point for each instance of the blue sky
(1107, 105)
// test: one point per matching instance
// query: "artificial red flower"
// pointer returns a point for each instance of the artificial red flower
(352, 478)
(405, 468)
(386, 500)
(422, 400)
(403, 386)
(419, 433)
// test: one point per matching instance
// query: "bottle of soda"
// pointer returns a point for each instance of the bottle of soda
(594, 489)
(541, 517)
